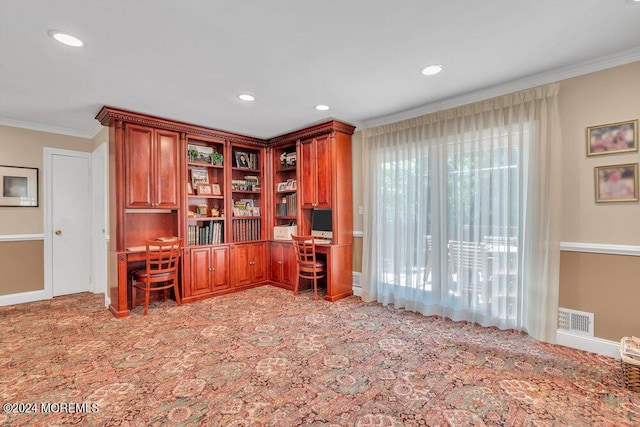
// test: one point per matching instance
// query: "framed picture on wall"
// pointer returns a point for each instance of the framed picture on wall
(617, 183)
(612, 138)
(18, 186)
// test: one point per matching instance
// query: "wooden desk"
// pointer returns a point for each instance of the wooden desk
(339, 266)
(119, 291)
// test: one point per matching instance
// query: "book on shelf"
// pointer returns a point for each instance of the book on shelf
(246, 229)
(288, 205)
(249, 183)
(207, 233)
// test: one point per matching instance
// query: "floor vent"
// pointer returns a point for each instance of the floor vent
(356, 278)
(578, 322)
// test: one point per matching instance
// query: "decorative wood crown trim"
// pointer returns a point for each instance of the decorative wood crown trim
(107, 115)
(323, 128)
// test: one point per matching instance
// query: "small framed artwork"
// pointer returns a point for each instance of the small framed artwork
(204, 190)
(215, 190)
(282, 186)
(612, 138)
(199, 176)
(617, 183)
(19, 186)
(242, 160)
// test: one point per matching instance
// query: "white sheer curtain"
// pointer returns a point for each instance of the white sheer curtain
(462, 211)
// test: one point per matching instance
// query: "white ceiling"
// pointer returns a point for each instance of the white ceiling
(187, 60)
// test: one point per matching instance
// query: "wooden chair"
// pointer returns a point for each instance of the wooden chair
(161, 272)
(308, 266)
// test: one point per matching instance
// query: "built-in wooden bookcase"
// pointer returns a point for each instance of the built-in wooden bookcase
(246, 204)
(205, 186)
(285, 184)
(226, 224)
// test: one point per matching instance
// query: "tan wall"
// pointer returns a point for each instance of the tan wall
(22, 266)
(607, 96)
(597, 283)
(23, 147)
(22, 262)
(605, 285)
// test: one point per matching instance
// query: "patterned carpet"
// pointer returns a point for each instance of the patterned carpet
(263, 357)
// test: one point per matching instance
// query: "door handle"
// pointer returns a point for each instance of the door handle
(58, 232)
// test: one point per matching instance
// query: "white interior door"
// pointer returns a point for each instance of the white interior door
(70, 213)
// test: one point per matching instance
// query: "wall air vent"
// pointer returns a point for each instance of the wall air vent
(577, 322)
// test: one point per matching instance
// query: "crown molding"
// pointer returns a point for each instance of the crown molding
(51, 129)
(562, 73)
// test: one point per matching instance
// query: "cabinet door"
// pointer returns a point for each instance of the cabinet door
(258, 262)
(276, 262)
(220, 273)
(166, 169)
(241, 266)
(315, 181)
(200, 271)
(289, 265)
(323, 171)
(139, 166)
(307, 179)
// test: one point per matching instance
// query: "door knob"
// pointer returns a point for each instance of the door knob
(58, 232)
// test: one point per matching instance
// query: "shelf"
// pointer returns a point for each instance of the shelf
(286, 192)
(293, 168)
(206, 218)
(205, 196)
(247, 217)
(247, 191)
(245, 169)
(204, 165)
(287, 217)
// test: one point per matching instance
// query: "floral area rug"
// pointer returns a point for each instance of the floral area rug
(264, 357)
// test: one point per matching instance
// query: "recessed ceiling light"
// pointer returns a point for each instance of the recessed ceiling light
(430, 70)
(321, 107)
(246, 97)
(66, 38)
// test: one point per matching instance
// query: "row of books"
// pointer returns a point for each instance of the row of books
(207, 233)
(249, 183)
(289, 205)
(246, 229)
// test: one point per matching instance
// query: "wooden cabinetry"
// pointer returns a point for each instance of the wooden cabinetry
(283, 264)
(150, 172)
(207, 269)
(249, 263)
(315, 176)
(151, 167)
(323, 174)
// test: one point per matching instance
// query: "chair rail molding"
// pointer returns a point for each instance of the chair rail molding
(20, 237)
(600, 248)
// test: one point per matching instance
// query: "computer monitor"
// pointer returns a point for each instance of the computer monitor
(321, 224)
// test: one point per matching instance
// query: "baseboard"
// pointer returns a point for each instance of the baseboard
(23, 297)
(357, 291)
(594, 345)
